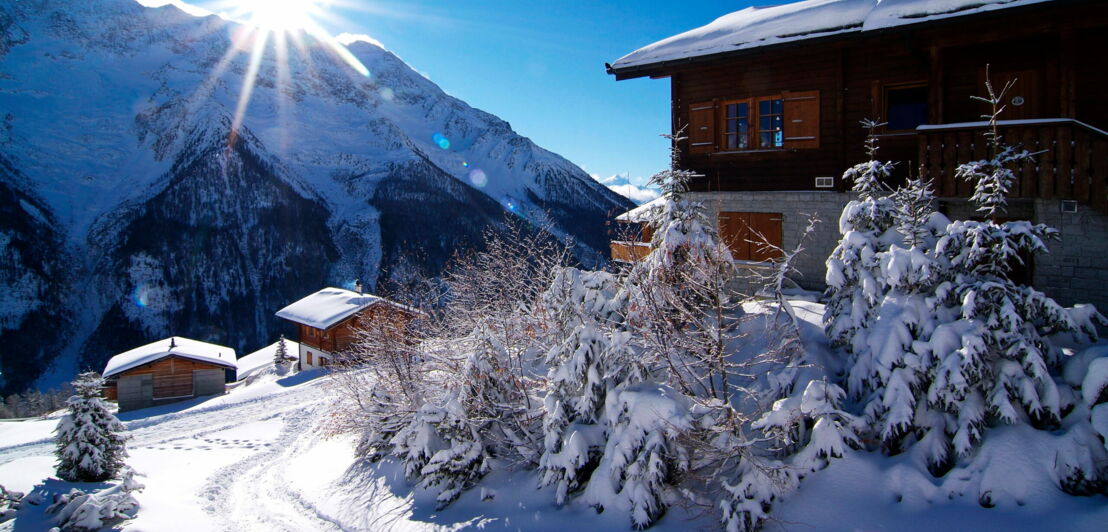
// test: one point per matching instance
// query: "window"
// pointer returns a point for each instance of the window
(789, 120)
(736, 126)
(746, 233)
(905, 107)
(771, 132)
(309, 358)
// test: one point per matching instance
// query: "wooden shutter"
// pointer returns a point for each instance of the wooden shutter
(801, 119)
(702, 127)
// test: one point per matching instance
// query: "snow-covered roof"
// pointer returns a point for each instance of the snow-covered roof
(330, 306)
(755, 27)
(219, 355)
(263, 358)
(642, 212)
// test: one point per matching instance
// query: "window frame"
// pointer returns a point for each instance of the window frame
(753, 124)
(885, 89)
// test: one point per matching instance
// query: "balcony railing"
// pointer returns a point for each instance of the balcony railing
(625, 251)
(1072, 160)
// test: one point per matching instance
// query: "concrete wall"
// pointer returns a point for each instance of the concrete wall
(1075, 270)
(794, 207)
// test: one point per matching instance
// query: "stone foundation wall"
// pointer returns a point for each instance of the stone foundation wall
(795, 206)
(1075, 270)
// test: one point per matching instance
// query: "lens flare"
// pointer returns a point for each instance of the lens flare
(139, 296)
(442, 141)
(387, 94)
(465, 164)
(478, 178)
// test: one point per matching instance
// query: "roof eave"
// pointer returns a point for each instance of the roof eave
(117, 372)
(667, 68)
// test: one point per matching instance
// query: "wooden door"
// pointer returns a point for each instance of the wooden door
(1024, 99)
(745, 234)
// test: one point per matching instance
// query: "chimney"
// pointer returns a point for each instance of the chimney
(172, 343)
(358, 286)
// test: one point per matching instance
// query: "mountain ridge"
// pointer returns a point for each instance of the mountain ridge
(117, 121)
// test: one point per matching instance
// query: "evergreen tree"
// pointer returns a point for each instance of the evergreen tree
(594, 360)
(281, 356)
(90, 440)
(853, 276)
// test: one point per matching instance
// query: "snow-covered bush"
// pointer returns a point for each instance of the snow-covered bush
(80, 511)
(952, 345)
(9, 503)
(90, 440)
(643, 453)
(867, 226)
(594, 359)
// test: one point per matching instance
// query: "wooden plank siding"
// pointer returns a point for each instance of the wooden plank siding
(171, 377)
(1070, 160)
(853, 73)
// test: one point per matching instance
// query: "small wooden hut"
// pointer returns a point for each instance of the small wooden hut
(168, 370)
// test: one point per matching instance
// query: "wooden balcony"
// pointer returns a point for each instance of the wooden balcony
(1071, 161)
(625, 251)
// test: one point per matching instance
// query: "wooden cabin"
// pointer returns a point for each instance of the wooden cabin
(165, 371)
(770, 100)
(329, 320)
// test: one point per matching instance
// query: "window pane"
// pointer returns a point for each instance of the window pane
(778, 106)
(906, 108)
(732, 125)
(764, 107)
(765, 139)
(765, 123)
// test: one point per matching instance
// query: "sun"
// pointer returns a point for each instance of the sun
(278, 15)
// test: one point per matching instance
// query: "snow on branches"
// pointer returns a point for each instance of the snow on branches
(90, 440)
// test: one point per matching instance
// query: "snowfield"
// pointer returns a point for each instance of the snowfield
(262, 457)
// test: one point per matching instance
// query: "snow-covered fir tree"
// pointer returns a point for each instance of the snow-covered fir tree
(281, 356)
(867, 228)
(90, 440)
(888, 361)
(1001, 364)
(594, 359)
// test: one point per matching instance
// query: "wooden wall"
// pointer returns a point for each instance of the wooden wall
(341, 335)
(1055, 49)
(167, 378)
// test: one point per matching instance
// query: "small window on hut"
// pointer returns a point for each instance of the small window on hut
(905, 107)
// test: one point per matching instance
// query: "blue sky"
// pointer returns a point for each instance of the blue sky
(540, 66)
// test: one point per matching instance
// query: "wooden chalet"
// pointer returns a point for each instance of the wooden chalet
(770, 100)
(165, 371)
(329, 321)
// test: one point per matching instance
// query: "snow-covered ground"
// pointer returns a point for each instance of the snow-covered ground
(261, 457)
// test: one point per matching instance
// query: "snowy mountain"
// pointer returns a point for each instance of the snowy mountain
(129, 210)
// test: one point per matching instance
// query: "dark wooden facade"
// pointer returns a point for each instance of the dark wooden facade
(341, 335)
(1053, 48)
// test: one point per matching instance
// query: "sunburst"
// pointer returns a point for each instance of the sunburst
(282, 22)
